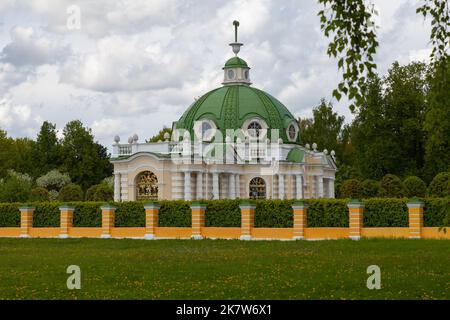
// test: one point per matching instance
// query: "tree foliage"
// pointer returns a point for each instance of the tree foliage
(354, 43)
(414, 187)
(160, 135)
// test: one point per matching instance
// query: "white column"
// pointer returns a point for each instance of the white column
(187, 186)
(281, 186)
(117, 187)
(298, 186)
(238, 186)
(199, 186)
(231, 186)
(331, 188)
(319, 186)
(215, 185)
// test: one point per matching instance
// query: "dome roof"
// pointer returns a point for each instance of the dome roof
(232, 105)
(235, 62)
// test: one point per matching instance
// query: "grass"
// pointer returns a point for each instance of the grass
(224, 269)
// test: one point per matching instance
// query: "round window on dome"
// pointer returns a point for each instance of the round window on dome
(292, 132)
(254, 129)
(230, 74)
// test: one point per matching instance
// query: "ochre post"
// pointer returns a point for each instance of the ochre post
(247, 220)
(299, 210)
(26, 220)
(355, 211)
(415, 217)
(151, 219)
(66, 222)
(108, 213)
(198, 210)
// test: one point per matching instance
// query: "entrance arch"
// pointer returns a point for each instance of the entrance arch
(257, 188)
(146, 186)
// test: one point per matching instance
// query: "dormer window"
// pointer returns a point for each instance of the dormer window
(254, 129)
(205, 129)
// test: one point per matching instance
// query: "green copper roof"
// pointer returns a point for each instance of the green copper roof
(230, 106)
(295, 155)
(235, 62)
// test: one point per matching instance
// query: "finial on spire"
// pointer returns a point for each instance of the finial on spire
(236, 45)
(236, 25)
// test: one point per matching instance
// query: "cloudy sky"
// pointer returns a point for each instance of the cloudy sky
(136, 65)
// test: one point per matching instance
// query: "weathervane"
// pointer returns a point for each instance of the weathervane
(236, 45)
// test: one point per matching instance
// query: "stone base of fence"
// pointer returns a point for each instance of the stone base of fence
(247, 230)
(225, 233)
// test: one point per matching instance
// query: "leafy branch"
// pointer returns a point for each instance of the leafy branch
(354, 43)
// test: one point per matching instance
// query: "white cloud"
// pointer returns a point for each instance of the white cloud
(136, 65)
(27, 48)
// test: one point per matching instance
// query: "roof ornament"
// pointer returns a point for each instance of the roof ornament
(236, 46)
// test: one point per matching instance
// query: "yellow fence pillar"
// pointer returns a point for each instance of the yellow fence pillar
(151, 219)
(26, 220)
(299, 209)
(415, 217)
(247, 219)
(108, 213)
(66, 222)
(198, 210)
(355, 220)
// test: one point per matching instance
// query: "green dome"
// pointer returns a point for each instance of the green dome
(231, 105)
(235, 62)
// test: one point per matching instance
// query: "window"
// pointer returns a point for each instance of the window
(257, 188)
(254, 129)
(292, 132)
(246, 74)
(146, 186)
(205, 127)
(230, 74)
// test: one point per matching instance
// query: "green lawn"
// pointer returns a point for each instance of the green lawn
(224, 269)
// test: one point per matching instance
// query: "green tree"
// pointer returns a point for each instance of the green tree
(71, 192)
(325, 128)
(47, 150)
(437, 123)
(15, 188)
(387, 133)
(6, 154)
(440, 186)
(391, 187)
(160, 135)
(86, 161)
(370, 188)
(354, 40)
(351, 188)
(414, 187)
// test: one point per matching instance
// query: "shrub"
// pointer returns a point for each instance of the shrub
(351, 189)
(53, 180)
(436, 212)
(175, 214)
(130, 214)
(15, 189)
(391, 187)
(370, 188)
(414, 187)
(46, 214)
(385, 213)
(87, 214)
(100, 192)
(273, 214)
(40, 194)
(440, 186)
(223, 213)
(70, 192)
(9, 215)
(327, 213)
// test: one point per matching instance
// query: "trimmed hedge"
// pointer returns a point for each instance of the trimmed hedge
(385, 213)
(378, 212)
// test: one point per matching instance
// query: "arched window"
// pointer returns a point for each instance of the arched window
(257, 188)
(146, 186)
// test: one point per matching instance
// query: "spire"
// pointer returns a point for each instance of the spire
(236, 45)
